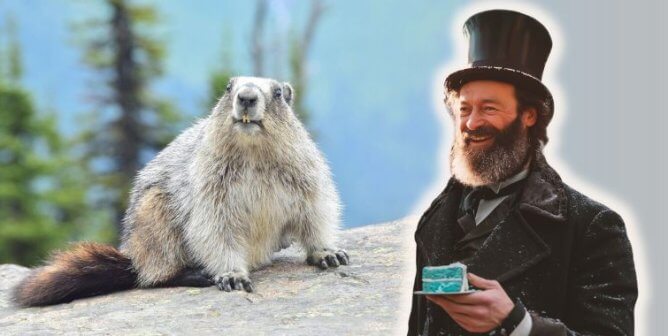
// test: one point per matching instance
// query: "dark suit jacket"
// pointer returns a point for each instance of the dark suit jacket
(567, 258)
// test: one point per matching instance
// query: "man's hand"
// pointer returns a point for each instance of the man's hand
(477, 312)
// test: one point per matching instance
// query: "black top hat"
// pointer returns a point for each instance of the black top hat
(506, 46)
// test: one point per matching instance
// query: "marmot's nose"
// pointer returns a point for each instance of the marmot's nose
(247, 99)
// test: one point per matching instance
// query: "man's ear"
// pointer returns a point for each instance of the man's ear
(288, 93)
(529, 116)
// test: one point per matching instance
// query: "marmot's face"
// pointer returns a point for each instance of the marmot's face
(250, 103)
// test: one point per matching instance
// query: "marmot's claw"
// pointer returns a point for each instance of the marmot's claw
(224, 284)
(234, 281)
(237, 284)
(327, 258)
(248, 286)
(332, 260)
(343, 257)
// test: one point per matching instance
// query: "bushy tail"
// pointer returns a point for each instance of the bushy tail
(88, 269)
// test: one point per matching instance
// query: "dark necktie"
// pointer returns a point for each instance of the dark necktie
(473, 198)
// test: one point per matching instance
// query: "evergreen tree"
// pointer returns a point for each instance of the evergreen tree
(136, 124)
(26, 233)
(42, 203)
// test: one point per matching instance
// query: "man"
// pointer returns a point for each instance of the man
(546, 259)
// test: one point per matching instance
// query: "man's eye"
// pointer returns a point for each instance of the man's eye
(490, 108)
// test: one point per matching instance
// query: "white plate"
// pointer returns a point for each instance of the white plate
(453, 293)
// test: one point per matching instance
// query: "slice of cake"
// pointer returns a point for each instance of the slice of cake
(445, 279)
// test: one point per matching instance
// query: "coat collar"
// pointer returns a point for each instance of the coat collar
(543, 194)
(514, 245)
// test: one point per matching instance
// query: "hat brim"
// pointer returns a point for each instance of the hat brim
(521, 79)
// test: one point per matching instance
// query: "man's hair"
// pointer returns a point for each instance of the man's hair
(525, 100)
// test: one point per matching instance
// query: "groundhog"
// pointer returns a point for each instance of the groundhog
(213, 205)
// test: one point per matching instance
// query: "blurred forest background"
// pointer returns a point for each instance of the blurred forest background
(91, 90)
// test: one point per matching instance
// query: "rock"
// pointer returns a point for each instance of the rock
(290, 298)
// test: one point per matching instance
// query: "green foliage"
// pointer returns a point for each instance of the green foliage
(38, 190)
(14, 55)
(298, 80)
(167, 123)
(217, 84)
(123, 48)
(42, 196)
(11, 68)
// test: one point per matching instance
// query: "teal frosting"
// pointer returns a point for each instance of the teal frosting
(441, 272)
(443, 279)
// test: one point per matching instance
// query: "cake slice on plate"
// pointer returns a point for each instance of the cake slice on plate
(444, 279)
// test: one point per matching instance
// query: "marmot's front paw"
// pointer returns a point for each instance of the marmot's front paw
(328, 258)
(234, 281)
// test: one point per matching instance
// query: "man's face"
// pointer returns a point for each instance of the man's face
(491, 137)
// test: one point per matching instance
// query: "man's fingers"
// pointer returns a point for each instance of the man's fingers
(455, 308)
(482, 282)
(479, 298)
(449, 307)
(477, 312)
(470, 317)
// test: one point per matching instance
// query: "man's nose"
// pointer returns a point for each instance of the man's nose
(474, 120)
(247, 98)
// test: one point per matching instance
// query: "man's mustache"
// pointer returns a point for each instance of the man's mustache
(483, 131)
(504, 136)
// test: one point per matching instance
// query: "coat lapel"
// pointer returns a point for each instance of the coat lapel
(513, 246)
(438, 230)
(510, 249)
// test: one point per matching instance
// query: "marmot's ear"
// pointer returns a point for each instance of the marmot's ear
(288, 93)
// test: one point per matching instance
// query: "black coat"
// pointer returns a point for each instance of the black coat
(567, 258)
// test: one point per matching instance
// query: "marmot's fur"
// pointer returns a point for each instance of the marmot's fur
(213, 205)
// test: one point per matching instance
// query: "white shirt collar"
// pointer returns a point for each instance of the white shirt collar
(496, 187)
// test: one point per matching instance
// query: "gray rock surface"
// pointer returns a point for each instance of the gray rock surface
(291, 298)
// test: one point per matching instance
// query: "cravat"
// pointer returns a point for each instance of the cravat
(473, 198)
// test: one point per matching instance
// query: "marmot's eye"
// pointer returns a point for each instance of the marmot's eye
(278, 93)
(229, 87)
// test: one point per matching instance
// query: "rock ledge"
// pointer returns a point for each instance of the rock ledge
(291, 298)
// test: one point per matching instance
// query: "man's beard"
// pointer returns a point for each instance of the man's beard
(506, 156)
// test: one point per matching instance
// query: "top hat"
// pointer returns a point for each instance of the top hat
(506, 46)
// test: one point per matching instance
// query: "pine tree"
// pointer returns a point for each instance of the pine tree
(136, 124)
(42, 203)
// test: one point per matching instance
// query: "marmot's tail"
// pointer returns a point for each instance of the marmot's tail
(88, 269)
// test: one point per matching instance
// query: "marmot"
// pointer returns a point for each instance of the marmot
(213, 205)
